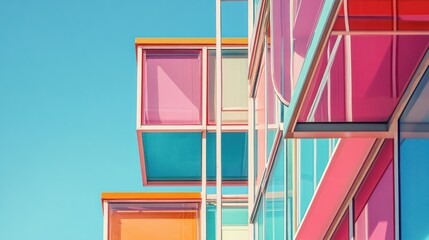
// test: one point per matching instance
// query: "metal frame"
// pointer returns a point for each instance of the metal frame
(218, 121)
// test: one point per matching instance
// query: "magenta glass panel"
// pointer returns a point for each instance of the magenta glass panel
(380, 68)
(307, 15)
(374, 201)
(281, 48)
(342, 231)
(171, 87)
(376, 220)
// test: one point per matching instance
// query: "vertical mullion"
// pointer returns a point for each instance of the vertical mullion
(266, 102)
(204, 148)
(396, 180)
(351, 220)
(105, 220)
(139, 87)
(218, 122)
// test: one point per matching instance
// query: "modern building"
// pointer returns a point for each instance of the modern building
(314, 127)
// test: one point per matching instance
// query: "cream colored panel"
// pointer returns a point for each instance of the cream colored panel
(235, 233)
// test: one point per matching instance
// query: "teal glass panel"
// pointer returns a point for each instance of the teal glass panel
(289, 145)
(211, 222)
(414, 165)
(275, 198)
(234, 156)
(234, 216)
(271, 135)
(306, 175)
(231, 216)
(323, 156)
(259, 222)
(172, 155)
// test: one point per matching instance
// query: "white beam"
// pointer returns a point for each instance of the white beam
(105, 220)
(218, 121)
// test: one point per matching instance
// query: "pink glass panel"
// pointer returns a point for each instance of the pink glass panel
(376, 220)
(171, 87)
(374, 202)
(342, 231)
(280, 44)
(270, 92)
(260, 123)
(306, 19)
(381, 68)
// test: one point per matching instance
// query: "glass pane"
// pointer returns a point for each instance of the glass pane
(414, 164)
(259, 222)
(306, 175)
(314, 155)
(290, 221)
(275, 198)
(270, 106)
(145, 220)
(234, 156)
(374, 201)
(342, 231)
(182, 161)
(361, 15)
(306, 18)
(281, 48)
(234, 86)
(171, 87)
(378, 81)
(260, 121)
(234, 223)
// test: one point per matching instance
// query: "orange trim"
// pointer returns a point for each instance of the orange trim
(149, 195)
(189, 41)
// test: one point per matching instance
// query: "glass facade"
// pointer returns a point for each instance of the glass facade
(414, 165)
(324, 118)
(171, 87)
(148, 220)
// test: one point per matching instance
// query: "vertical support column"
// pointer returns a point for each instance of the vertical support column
(396, 178)
(348, 67)
(139, 87)
(351, 220)
(218, 121)
(249, 26)
(105, 220)
(204, 151)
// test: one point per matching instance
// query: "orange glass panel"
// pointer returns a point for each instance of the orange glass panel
(160, 221)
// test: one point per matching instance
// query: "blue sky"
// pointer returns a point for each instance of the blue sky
(67, 105)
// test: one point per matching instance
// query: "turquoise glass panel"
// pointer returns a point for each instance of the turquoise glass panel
(306, 175)
(313, 159)
(323, 156)
(271, 135)
(234, 156)
(172, 155)
(211, 222)
(231, 216)
(234, 216)
(259, 222)
(275, 198)
(414, 165)
(289, 145)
